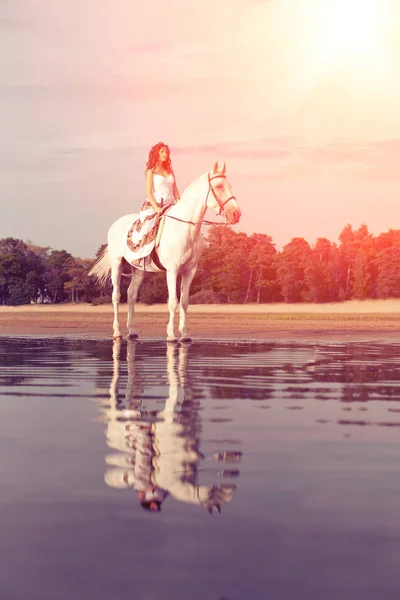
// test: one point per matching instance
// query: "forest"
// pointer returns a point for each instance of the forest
(234, 268)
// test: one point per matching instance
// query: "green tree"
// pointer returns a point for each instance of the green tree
(20, 272)
(363, 266)
(357, 251)
(291, 265)
(347, 254)
(262, 284)
(222, 271)
(388, 267)
(56, 274)
(153, 289)
(321, 271)
(79, 285)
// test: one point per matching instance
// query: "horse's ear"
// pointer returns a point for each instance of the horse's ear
(223, 169)
(215, 167)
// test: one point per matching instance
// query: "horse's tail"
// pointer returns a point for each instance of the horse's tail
(102, 268)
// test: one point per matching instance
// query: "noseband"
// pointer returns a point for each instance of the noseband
(219, 202)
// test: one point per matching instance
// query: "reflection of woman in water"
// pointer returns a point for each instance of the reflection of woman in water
(159, 458)
(131, 436)
(140, 476)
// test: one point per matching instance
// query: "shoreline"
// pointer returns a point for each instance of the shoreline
(384, 307)
(351, 321)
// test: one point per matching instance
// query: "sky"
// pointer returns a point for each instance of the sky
(299, 97)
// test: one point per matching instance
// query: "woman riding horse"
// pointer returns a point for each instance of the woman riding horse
(162, 192)
(179, 247)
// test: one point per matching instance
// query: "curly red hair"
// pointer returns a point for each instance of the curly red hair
(153, 157)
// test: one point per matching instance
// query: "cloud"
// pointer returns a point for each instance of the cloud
(247, 151)
(291, 154)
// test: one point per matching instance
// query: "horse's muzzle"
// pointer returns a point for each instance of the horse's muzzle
(234, 216)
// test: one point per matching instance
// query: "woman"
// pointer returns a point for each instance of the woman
(161, 186)
(162, 192)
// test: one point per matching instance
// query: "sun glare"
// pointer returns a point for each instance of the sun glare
(351, 32)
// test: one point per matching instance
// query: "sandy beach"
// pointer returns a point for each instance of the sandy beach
(350, 320)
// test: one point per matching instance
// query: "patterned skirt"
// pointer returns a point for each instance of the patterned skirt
(142, 235)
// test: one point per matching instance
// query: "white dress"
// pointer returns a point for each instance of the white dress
(163, 189)
(142, 234)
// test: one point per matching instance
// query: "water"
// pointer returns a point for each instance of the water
(293, 449)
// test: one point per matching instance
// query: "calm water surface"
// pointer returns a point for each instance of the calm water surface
(275, 468)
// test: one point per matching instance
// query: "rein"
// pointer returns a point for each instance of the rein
(219, 202)
(204, 222)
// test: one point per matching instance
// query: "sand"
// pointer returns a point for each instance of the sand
(350, 320)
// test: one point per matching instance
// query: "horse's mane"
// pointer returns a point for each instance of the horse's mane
(191, 185)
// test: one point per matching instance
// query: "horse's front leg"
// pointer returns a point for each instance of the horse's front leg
(116, 270)
(187, 278)
(172, 304)
(136, 281)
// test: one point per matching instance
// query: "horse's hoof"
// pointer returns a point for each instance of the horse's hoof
(172, 341)
(186, 340)
(133, 336)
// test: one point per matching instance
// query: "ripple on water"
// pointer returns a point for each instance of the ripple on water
(295, 445)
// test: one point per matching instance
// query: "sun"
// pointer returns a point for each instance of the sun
(350, 32)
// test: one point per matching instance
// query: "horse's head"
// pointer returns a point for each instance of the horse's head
(220, 195)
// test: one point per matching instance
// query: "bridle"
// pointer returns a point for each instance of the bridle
(210, 188)
(219, 202)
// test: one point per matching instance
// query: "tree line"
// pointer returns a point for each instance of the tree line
(234, 268)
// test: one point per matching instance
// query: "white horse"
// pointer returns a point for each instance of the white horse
(178, 251)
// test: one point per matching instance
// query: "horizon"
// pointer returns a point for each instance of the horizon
(234, 228)
(299, 97)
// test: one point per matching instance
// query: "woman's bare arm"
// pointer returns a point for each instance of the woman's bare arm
(175, 190)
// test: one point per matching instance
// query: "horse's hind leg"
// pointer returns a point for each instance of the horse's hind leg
(136, 281)
(172, 305)
(186, 282)
(116, 270)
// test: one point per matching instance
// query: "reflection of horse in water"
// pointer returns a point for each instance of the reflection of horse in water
(158, 451)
